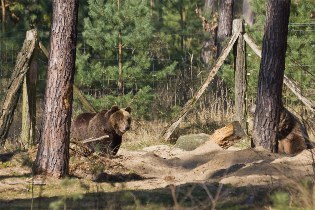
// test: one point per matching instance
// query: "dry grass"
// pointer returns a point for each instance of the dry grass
(143, 134)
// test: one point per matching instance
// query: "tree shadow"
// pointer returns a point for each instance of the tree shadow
(15, 176)
(185, 196)
(118, 177)
(5, 157)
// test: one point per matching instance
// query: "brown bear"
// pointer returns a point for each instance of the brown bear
(114, 123)
(292, 134)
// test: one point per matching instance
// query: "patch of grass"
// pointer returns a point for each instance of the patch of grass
(143, 134)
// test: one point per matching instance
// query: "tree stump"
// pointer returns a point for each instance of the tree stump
(228, 135)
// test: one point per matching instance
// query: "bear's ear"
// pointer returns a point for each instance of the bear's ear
(114, 108)
(128, 109)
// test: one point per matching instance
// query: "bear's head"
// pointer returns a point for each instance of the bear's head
(119, 119)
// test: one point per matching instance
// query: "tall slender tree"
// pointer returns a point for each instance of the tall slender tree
(269, 96)
(53, 152)
(225, 23)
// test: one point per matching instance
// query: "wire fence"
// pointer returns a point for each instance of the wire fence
(174, 91)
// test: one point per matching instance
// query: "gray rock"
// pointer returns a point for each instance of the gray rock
(191, 141)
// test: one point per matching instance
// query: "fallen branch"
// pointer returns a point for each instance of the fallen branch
(81, 148)
(95, 139)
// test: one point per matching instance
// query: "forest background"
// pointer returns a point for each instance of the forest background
(166, 53)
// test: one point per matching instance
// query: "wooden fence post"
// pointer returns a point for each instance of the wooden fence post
(240, 75)
(14, 89)
(29, 104)
(190, 104)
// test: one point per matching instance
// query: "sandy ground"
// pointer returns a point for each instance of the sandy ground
(163, 165)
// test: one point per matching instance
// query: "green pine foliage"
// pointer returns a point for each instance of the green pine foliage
(97, 60)
(97, 67)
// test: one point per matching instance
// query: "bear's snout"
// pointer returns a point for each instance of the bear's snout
(125, 129)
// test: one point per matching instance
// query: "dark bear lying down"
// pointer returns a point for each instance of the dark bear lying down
(114, 122)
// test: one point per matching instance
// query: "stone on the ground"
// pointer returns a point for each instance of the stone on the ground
(191, 141)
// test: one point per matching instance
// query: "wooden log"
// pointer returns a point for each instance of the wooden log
(228, 135)
(76, 91)
(289, 83)
(187, 107)
(14, 88)
(80, 147)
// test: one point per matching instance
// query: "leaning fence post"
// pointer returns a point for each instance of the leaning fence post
(16, 81)
(190, 104)
(29, 103)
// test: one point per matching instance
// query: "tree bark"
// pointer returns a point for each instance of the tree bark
(225, 23)
(269, 95)
(14, 90)
(53, 152)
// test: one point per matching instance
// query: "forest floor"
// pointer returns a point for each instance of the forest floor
(164, 177)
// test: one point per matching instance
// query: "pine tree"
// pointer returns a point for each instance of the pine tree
(110, 25)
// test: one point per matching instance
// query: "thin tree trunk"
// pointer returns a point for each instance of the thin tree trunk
(120, 71)
(225, 23)
(269, 97)
(53, 151)
(151, 7)
(3, 15)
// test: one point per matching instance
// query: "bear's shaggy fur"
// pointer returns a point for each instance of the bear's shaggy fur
(293, 137)
(114, 122)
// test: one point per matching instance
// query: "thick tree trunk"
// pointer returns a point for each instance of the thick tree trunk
(53, 152)
(269, 96)
(14, 89)
(225, 23)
